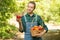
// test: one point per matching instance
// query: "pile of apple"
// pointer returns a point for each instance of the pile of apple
(36, 30)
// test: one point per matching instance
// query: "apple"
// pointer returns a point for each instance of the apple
(18, 16)
(33, 28)
(36, 27)
(40, 27)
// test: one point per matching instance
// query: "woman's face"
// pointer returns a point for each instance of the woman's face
(30, 8)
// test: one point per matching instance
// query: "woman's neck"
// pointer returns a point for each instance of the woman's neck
(30, 14)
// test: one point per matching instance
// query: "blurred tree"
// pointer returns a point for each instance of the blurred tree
(55, 10)
(7, 7)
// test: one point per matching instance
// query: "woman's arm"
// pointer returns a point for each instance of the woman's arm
(40, 22)
(20, 24)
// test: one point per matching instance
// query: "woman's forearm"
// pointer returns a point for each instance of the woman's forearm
(20, 26)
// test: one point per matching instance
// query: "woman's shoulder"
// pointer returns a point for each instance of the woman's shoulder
(38, 16)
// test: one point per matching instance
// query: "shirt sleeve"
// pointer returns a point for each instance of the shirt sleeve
(23, 24)
(41, 22)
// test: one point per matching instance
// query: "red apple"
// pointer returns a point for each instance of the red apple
(33, 28)
(40, 27)
(18, 16)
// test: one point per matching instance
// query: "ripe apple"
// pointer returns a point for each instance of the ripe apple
(40, 27)
(36, 27)
(33, 28)
(18, 16)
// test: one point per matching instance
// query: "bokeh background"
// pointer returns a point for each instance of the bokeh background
(49, 10)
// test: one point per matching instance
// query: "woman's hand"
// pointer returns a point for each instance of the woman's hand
(18, 18)
(41, 34)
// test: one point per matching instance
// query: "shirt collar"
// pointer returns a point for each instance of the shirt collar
(29, 15)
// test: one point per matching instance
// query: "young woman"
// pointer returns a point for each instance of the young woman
(27, 22)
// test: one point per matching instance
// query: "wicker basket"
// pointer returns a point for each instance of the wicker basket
(36, 30)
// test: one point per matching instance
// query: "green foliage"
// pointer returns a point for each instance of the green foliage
(7, 31)
(7, 7)
(55, 10)
(49, 10)
(22, 6)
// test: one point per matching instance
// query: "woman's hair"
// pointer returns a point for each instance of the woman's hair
(33, 3)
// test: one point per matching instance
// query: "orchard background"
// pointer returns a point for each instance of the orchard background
(49, 10)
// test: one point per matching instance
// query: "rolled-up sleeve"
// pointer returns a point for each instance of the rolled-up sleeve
(41, 22)
(21, 25)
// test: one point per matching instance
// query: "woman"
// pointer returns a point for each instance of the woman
(27, 22)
